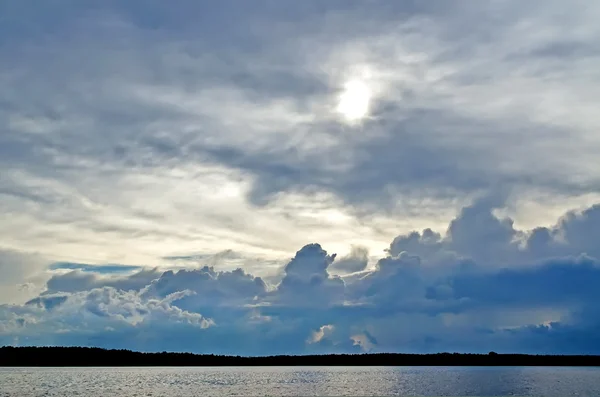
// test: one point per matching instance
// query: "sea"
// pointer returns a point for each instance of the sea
(300, 381)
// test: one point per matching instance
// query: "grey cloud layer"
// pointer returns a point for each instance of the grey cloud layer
(445, 121)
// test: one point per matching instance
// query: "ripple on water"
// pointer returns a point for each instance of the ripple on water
(307, 381)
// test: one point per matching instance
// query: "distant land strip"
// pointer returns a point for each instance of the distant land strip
(97, 357)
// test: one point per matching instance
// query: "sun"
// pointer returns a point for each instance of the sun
(354, 101)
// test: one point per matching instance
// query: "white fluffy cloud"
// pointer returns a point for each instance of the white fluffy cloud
(101, 313)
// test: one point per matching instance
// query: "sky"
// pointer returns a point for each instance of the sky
(286, 177)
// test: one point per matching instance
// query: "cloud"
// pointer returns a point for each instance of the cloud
(201, 135)
(191, 124)
(479, 235)
(95, 268)
(84, 318)
(307, 281)
(356, 261)
(553, 282)
(365, 341)
(322, 332)
(411, 300)
(82, 280)
(20, 275)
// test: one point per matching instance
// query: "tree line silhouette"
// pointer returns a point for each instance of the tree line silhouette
(89, 356)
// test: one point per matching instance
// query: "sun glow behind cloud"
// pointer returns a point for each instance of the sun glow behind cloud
(354, 101)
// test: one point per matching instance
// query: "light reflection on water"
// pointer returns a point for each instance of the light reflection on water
(306, 381)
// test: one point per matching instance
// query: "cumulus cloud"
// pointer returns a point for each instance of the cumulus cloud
(100, 314)
(307, 281)
(478, 234)
(318, 335)
(356, 261)
(414, 299)
(365, 341)
(78, 280)
(212, 291)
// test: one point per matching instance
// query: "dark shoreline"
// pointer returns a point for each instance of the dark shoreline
(96, 357)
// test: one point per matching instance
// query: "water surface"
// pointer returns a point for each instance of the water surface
(305, 381)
